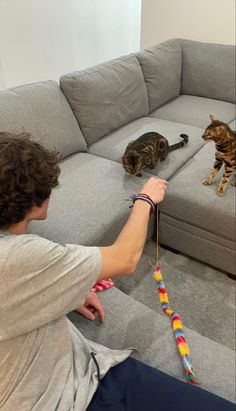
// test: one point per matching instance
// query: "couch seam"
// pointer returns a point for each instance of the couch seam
(196, 226)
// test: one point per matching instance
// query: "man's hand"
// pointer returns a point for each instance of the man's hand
(155, 188)
(92, 307)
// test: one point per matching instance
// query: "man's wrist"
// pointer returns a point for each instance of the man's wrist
(143, 205)
(146, 199)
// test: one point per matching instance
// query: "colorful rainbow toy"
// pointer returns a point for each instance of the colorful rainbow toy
(176, 325)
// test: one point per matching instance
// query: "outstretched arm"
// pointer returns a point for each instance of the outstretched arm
(122, 257)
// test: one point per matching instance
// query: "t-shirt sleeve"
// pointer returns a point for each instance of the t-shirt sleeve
(42, 280)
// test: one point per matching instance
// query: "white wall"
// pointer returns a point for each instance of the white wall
(202, 20)
(42, 39)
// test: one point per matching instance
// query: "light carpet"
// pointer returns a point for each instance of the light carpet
(203, 296)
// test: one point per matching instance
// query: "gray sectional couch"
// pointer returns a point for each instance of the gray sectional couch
(170, 88)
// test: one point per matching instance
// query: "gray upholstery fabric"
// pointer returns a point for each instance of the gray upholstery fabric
(209, 70)
(128, 320)
(233, 125)
(192, 202)
(194, 288)
(89, 207)
(161, 66)
(113, 145)
(186, 239)
(42, 110)
(198, 232)
(195, 110)
(106, 96)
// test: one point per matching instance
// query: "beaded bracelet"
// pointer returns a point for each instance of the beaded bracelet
(143, 197)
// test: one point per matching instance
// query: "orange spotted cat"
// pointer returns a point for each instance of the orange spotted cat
(225, 142)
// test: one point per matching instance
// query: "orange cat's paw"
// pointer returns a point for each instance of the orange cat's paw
(220, 193)
(206, 182)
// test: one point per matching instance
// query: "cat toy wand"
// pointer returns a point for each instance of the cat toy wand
(176, 325)
(175, 318)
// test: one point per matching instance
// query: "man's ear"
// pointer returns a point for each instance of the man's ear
(213, 118)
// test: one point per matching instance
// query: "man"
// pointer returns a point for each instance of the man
(46, 364)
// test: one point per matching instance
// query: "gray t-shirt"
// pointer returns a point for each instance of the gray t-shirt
(45, 362)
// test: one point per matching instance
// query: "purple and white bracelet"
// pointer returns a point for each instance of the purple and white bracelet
(143, 197)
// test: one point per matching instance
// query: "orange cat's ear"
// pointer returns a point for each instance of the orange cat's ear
(213, 118)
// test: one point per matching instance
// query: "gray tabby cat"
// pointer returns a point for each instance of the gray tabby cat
(147, 150)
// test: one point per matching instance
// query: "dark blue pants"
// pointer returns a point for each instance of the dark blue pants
(134, 386)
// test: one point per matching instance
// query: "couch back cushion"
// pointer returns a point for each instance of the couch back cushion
(161, 66)
(208, 70)
(42, 110)
(106, 96)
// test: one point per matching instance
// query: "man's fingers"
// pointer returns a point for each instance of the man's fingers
(87, 313)
(101, 312)
(92, 307)
(155, 179)
(97, 309)
(163, 182)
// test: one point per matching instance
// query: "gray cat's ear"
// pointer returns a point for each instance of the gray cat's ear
(213, 118)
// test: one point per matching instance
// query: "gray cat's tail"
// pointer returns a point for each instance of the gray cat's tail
(180, 144)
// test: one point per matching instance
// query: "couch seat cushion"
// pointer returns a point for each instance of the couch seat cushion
(128, 320)
(113, 145)
(195, 110)
(89, 207)
(41, 109)
(188, 200)
(106, 96)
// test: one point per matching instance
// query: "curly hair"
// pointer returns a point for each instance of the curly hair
(28, 173)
